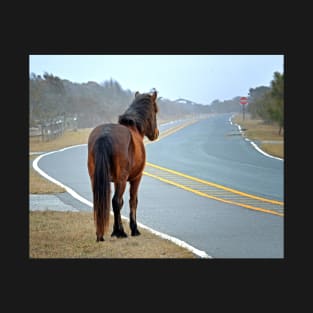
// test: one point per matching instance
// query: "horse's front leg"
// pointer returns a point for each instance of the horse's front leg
(133, 202)
(117, 203)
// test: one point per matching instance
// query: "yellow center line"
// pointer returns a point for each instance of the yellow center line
(214, 185)
(199, 193)
(175, 129)
(171, 131)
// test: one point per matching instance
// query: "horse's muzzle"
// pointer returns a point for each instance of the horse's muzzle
(153, 135)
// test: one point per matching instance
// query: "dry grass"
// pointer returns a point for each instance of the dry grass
(72, 235)
(67, 139)
(275, 149)
(255, 129)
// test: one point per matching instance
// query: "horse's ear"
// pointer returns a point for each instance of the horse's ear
(137, 94)
(154, 95)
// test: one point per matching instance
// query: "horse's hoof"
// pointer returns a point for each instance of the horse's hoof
(123, 235)
(135, 232)
(100, 239)
(119, 234)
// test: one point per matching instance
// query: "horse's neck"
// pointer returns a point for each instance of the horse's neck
(136, 135)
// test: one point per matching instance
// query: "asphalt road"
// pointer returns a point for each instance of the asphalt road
(214, 150)
(211, 150)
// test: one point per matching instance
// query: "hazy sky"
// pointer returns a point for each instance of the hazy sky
(199, 78)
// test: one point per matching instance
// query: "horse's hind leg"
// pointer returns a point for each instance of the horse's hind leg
(133, 202)
(117, 203)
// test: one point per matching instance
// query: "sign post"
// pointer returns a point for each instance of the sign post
(243, 102)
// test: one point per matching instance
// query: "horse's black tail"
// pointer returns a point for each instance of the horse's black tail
(101, 185)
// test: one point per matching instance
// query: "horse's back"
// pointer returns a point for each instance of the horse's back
(118, 134)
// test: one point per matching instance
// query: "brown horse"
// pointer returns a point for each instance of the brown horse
(116, 153)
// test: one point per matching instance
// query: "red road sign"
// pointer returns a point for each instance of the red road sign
(243, 100)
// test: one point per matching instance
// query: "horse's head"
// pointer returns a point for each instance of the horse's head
(151, 128)
(141, 114)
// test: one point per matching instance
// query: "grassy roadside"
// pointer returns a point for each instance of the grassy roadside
(72, 234)
(267, 135)
(68, 138)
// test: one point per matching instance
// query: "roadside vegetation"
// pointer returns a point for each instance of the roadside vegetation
(54, 98)
(267, 103)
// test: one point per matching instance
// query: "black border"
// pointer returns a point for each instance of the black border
(94, 274)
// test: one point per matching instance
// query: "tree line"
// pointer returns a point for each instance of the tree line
(93, 103)
(267, 103)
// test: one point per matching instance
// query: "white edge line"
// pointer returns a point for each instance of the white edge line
(45, 175)
(261, 151)
(178, 242)
(254, 144)
(75, 195)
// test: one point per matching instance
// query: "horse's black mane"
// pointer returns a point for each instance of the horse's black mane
(138, 113)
